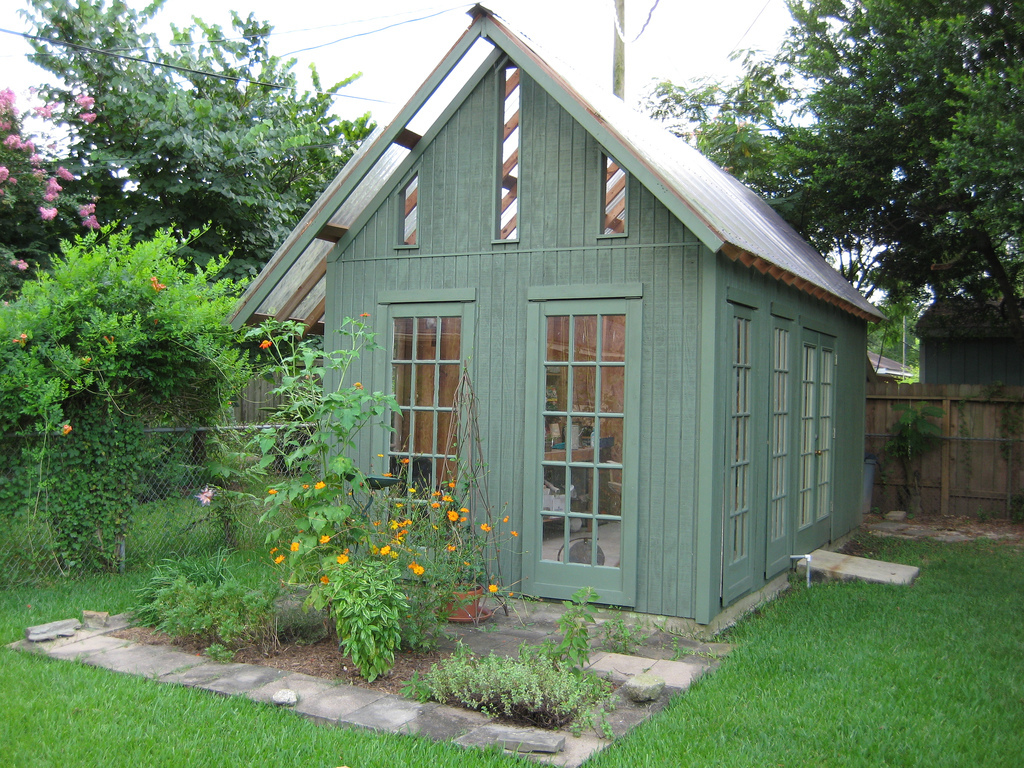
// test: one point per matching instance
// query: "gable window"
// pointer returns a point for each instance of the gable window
(613, 198)
(508, 172)
(409, 211)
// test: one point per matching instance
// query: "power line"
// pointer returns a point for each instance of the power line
(374, 31)
(188, 70)
(763, 9)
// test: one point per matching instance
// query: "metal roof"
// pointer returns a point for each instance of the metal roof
(722, 213)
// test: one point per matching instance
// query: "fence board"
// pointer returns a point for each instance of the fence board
(978, 468)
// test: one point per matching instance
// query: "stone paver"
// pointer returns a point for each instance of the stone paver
(338, 703)
(838, 566)
(306, 686)
(389, 713)
(144, 660)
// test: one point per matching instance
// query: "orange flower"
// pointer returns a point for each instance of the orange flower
(365, 314)
(416, 568)
(265, 344)
(435, 504)
(453, 515)
(156, 285)
(320, 486)
(385, 550)
(485, 527)
(462, 519)
(305, 486)
(451, 485)
(342, 559)
(388, 474)
(324, 539)
(279, 559)
(358, 385)
(273, 550)
(65, 429)
(295, 546)
(514, 533)
(452, 547)
(405, 461)
(504, 519)
(449, 499)
(492, 588)
(464, 511)
(324, 580)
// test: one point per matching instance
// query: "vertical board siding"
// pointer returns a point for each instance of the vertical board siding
(559, 245)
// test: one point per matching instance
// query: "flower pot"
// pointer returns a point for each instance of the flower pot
(467, 607)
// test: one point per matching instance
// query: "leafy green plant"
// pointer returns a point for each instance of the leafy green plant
(574, 646)
(218, 652)
(367, 603)
(531, 688)
(914, 434)
(620, 637)
(202, 598)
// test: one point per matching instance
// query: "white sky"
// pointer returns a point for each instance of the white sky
(684, 39)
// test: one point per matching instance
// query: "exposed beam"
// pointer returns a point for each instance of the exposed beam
(408, 139)
(331, 233)
(300, 293)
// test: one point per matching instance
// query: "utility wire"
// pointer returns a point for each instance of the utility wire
(374, 31)
(756, 18)
(622, 33)
(188, 70)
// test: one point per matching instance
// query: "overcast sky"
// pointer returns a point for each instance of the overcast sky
(395, 43)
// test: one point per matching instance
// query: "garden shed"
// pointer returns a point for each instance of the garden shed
(669, 381)
(968, 342)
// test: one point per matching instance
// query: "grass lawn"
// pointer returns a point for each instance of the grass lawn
(838, 675)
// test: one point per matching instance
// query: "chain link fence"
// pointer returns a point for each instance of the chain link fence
(168, 519)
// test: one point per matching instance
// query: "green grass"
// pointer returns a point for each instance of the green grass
(863, 675)
(837, 675)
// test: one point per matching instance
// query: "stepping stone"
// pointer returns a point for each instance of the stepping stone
(305, 687)
(51, 631)
(243, 678)
(444, 723)
(145, 660)
(336, 704)
(389, 713)
(846, 567)
(519, 740)
(85, 648)
(678, 674)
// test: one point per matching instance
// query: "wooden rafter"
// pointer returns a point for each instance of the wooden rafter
(299, 294)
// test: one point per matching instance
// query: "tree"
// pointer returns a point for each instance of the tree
(161, 141)
(901, 151)
(115, 336)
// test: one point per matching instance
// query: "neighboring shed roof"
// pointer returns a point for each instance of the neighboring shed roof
(722, 213)
(964, 319)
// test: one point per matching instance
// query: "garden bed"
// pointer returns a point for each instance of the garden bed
(321, 659)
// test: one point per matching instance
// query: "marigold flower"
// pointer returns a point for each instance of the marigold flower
(436, 493)
(451, 485)
(412, 490)
(389, 474)
(376, 522)
(435, 504)
(365, 314)
(305, 486)
(358, 385)
(504, 519)
(492, 588)
(279, 559)
(385, 550)
(485, 527)
(295, 546)
(67, 428)
(324, 539)
(399, 504)
(416, 568)
(464, 511)
(462, 519)
(447, 498)
(324, 580)
(273, 550)
(320, 486)
(156, 285)
(342, 559)
(265, 344)
(515, 533)
(453, 515)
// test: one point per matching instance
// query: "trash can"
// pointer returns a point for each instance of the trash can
(870, 463)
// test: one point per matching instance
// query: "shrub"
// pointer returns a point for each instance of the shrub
(531, 689)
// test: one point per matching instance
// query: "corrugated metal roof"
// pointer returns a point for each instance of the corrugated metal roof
(723, 213)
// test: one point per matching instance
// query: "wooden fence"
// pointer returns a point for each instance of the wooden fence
(976, 470)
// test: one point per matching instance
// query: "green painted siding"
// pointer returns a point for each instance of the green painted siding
(681, 454)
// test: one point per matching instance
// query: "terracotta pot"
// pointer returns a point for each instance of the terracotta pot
(468, 608)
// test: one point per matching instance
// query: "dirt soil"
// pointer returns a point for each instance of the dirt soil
(322, 659)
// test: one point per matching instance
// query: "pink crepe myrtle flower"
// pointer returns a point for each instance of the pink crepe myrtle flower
(35, 159)
(206, 495)
(46, 110)
(84, 101)
(13, 141)
(4, 173)
(65, 174)
(7, 99)
(47, 214)
(88, 117)
(91, 223)
(50, 197)
(87, 210)
(53, 186)
(19, 264)
(39, 173)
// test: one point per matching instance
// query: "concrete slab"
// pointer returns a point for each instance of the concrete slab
(677, 674)
(619, 668)
(846, 567)
(576, 750)
(144, 660)
(242, 679)
(306, 686)
(533, 741)
(79, 648)
(628, 714)
(339, 702)
(444, 723)
(389, 713)
(198, 676)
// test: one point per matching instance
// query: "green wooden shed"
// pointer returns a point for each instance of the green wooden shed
(669, 380)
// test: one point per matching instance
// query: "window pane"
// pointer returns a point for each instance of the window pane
(584, 388)
(613, 338)
(558, 339)
(447, 385)
(424, 385)
(557, 381)
(409, 211)
(451, 338)
(426, 338)
(585, 338)
(403, 339)
(508, 213)
(614, 198)
(613, 387)
(401, 383)
(609, 492)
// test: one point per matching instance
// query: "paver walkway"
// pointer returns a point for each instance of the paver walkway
(334, 703)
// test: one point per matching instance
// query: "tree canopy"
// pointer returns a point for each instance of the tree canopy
(210, 128)
(891, 134)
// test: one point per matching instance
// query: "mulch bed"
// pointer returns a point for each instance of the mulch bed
(321, 659)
